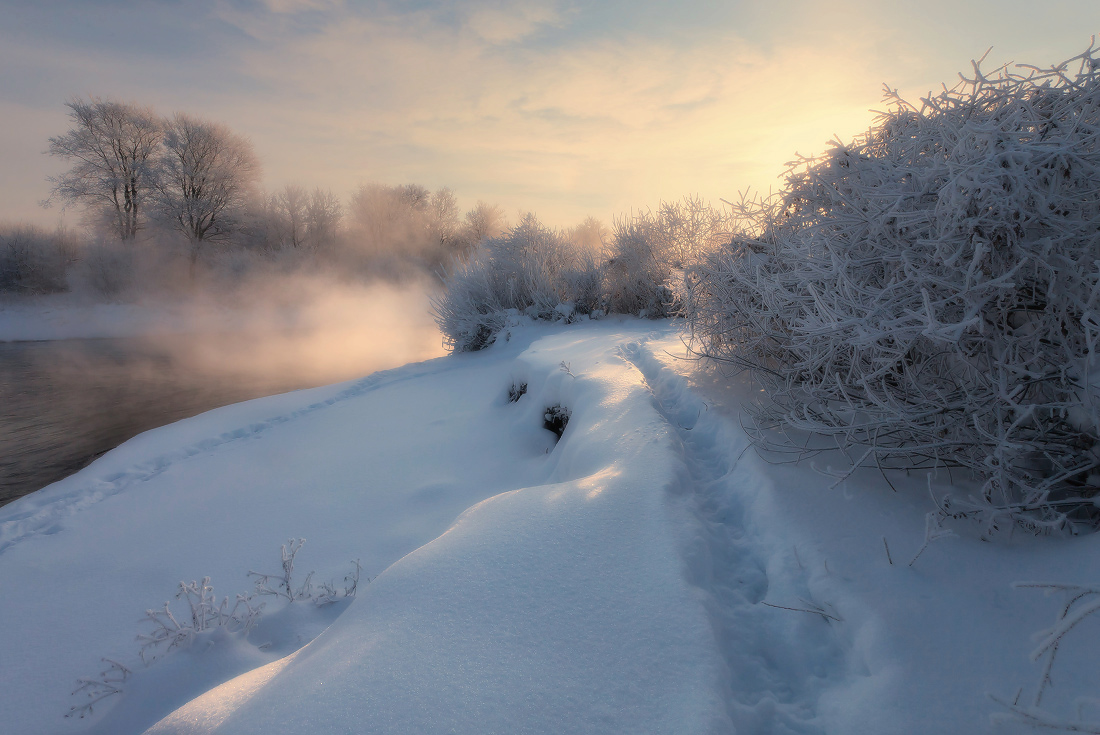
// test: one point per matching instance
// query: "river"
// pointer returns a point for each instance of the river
(65, 402)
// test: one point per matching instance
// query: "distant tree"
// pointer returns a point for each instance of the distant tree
(373, 211)
(206, 176)
(391, 220)
(443, 217)
(112, 146)
(292, 203)
(590, 235)
(323, 215)
(415, 196)
(483, 222)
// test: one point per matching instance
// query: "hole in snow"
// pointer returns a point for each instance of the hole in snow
(517, 390)
(556, 418)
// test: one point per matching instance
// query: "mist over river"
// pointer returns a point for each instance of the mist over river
(65, 402)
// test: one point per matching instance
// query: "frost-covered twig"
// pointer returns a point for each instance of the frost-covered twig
(933, 531)
(1041, 720)
(329, 594)
(284, 586)
(1081, 601)
(812, 609)
(107, 684)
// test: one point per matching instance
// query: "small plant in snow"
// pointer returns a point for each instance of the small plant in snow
(516, 392)
(1081, 601)
(284, 586)
(107, 684)
(329, 594)
(933, 531)
(284, 583)
(205, 613)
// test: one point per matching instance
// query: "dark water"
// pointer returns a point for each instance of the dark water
(63, 403)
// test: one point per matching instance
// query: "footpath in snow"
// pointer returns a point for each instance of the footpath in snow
(645, 573)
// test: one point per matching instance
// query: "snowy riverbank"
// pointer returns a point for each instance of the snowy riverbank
(643, 574)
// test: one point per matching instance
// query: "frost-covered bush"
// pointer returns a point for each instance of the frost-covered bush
(552, 275)
(648, 250)
(639, 268)
(203, 615)
(33, 261)
(530, 270)
(929, 294)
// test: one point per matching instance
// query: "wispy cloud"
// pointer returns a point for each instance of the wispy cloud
(564, 107)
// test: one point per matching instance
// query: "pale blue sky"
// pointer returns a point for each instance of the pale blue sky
(563, 108)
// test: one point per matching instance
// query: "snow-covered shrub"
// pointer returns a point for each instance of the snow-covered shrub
(204, 614)
(516, 391)
(929, 294)
(647, 251)
(530, 270)
(690, 227)
(551, 275)
(639, 267)
(34, 261)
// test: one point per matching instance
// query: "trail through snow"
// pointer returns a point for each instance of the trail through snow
(778, 659)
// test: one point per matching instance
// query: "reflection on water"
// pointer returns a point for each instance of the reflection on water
(64, 403)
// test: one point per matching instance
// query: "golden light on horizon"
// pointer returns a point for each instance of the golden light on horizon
(557, 108)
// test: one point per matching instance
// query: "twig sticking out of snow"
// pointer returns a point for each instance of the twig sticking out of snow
(1039, 719)
(811, 608)
(329, 594)
(933, 531)
(1081, 601)
(284, 587)
(107, 684)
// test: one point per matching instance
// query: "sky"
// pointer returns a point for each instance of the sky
(567, 109)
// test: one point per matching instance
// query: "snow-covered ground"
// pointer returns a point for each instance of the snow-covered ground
(646, 573)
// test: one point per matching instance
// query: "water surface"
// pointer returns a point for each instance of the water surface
(65, 402)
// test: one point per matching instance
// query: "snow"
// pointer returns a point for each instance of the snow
(646, 573)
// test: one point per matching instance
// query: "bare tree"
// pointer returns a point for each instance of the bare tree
(207, 173)
(112, 146)
(415, 196)
(590, 235)
(443, 216)
(292, 203)
(322, 217)
(485, 221)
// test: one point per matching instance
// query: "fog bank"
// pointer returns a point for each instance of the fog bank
(307, 329)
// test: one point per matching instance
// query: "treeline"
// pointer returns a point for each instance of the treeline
(173, 201)
(924, 297)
